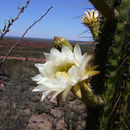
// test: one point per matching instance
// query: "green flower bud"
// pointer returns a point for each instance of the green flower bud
(60, 41)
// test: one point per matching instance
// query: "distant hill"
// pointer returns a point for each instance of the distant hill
(45, 40)
(26, 43)
(34, 47)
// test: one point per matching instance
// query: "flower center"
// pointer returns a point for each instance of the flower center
(62, 71)
(65, 67)
(61, 74)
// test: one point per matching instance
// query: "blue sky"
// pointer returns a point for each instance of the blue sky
(60, 21)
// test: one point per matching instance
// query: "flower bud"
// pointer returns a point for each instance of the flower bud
(92, 21)
(60, 41)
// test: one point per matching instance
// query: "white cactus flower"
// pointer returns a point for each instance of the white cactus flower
(90, 17)
(62, 71)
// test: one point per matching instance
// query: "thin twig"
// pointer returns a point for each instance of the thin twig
(10, 22)
(126, 58)
(18, 42)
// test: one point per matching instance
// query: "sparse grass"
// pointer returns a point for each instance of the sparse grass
(17, 97)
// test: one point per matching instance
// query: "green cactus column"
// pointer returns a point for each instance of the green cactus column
(114, 114)
(102, 54)
(99, 81)
(111, 54)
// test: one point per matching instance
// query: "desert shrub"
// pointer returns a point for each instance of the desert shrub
(16, 96)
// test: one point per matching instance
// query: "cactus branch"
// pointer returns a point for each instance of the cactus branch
(88, 97)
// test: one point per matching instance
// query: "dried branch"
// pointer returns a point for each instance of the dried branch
(18, 42)
(10, 22)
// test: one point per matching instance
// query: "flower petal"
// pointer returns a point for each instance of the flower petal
(45, 69)
(77, 91)
(65, 93)
(40, 87)
(77, 54)
(84, 63)
(47, 56)
(44, 94)
(39, 78)
(55, 94)
(92, 73)
(66, 50)
(74, 74)
(54, 54)
(86, 87)
(85, 77)
(93, 68)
